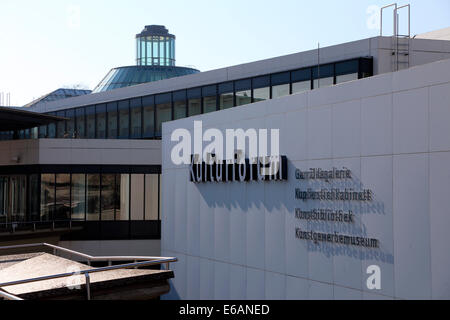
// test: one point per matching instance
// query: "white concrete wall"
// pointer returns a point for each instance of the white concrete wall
(237, 240)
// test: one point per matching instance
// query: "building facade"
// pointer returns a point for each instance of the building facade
(102, 169)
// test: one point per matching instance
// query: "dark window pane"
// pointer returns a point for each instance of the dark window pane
(51, 130)
(326, 71)
(149, 120)
(93, 197)
(4, 199)
(17, 209)
(34, 199)
(209, 91)
(163, 114)
(347, 67)
(62, 209)
(70, 126)
(226, 87)
(124, 119)
(108, 197)
(301, 75)
(280, 78)
(43, 132)
(180, 109)
(80, 123)
(243, 97)
(209, 104)
(112, 120)
(90, 120)
(61, 125)
(261, 82)
(101, 121)
(136, 122)
(195, 107)
(78, 197)
(242, 85)
(194, 93)
(47, 196)
(226, 95)
(179, 95)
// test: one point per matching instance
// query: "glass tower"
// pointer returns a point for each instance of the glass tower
(155, 47)
(155, 60)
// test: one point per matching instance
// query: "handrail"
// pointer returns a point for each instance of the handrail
(144, 262)
(8, 296)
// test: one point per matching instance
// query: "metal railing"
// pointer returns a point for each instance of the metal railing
(139, 261)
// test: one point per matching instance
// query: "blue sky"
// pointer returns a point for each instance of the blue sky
(49, 44)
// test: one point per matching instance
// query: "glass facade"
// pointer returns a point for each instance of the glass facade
(40, 198)
(142, 117)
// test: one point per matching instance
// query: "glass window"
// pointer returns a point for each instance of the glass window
(261, 88)
(51, 131)
(323, 82)
(137, 197)
(34, 199)
(90, 120)
(301, 80)
(4, 199)
(80, 117)
(136, 118)
(62, 203)
(209, 99)
(151, 197)
(47, 196)
(149, 116)
(78, 197)
(112, 120)
(280, 84)
(346, 77)
(93, 197)
(61, 125)
(280, 91)
(123, 197)
(108, 197)
(209, 104)
(124, 119)
(18, 187)
(226, 95)
(70, 125)
(323, 76)
(243, 92)
(42, 132)
(163, 111)
(301, 86)
(101, 121)
(179, 105)
(195, 107)
(194, 102)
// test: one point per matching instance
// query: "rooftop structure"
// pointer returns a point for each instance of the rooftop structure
(155, 60)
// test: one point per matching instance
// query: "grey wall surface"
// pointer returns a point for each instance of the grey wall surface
(80, 152)
(237, 240)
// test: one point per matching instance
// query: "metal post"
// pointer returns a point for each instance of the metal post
(88, 286)
(381, 18)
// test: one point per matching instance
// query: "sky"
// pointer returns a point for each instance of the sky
(48, 44)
